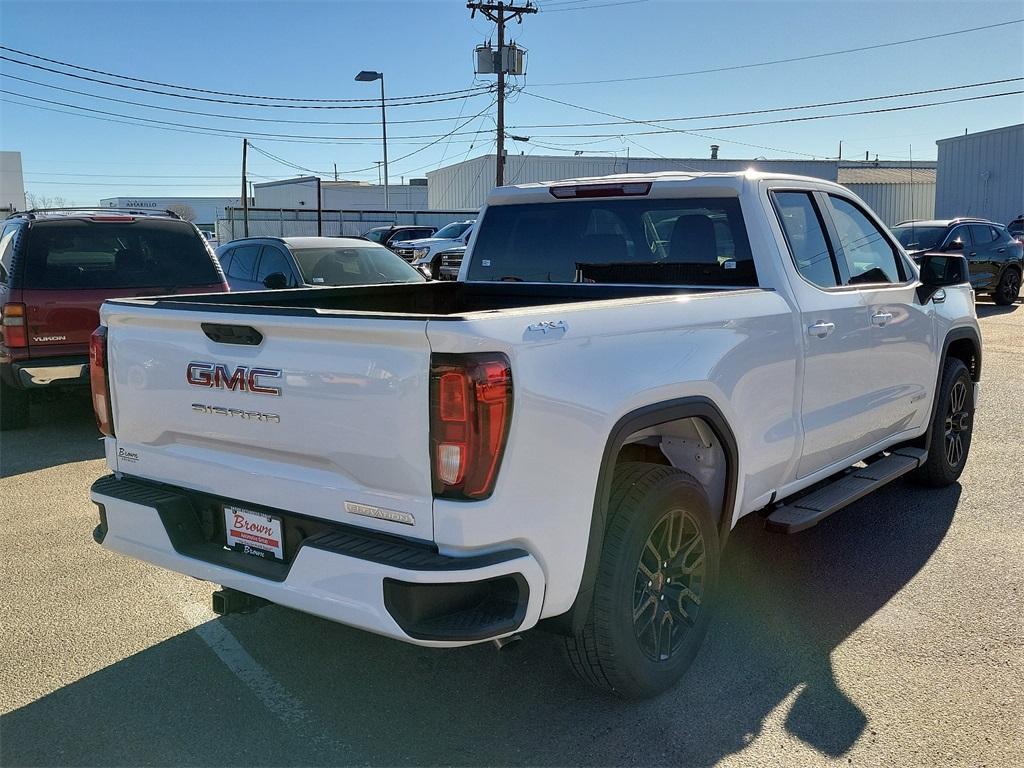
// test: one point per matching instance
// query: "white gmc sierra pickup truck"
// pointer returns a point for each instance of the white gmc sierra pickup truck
(626, 367)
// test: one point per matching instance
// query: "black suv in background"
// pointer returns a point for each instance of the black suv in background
(996, 259)
(396, 233)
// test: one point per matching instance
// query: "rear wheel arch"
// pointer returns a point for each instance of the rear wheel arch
(647, 420)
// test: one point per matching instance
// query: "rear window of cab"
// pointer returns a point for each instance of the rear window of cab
(676, 241)
(143, 253)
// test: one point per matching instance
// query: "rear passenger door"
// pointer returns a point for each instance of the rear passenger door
(899, 366)
(836, 333)
(983, 257)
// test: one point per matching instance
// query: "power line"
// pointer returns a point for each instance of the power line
(391, 102)
(770, 110)
(208, 91)
(222, 115)
(220, 131)
(589, 7)
(774, 122)
(773, 62)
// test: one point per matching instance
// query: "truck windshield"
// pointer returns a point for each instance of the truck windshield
(353, 266)
(682, 241)
(453, 230)
(919, 238)
(144, 253)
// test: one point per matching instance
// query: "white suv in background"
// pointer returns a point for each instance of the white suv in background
(424, 254)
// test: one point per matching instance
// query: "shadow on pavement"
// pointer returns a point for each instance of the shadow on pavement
(988, 310)
(62, 429)
(325, 694)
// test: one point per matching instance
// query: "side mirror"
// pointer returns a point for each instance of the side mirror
(275, 281)
(939, 270)
(956, 245)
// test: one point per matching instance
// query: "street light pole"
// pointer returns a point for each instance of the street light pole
(368, 76)
(384, 131)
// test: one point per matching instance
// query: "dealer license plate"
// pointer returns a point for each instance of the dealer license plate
(253, 533)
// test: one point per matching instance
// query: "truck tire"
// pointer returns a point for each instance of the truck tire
(951, 427)
(1008, 289)
(13, 407)
(655, 585)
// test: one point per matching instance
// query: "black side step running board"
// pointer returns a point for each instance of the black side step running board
(811, 509)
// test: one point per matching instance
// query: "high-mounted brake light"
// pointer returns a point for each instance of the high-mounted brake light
(13, 323)
(99, 380)
(470, 412)
(576, 191)
(111, 218)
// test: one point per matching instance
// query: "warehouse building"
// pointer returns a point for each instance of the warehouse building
(301, 194)
(895, 190)
(982, 174)
(201, 211)
(12, 183)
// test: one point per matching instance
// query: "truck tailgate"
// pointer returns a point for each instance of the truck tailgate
(344, 438)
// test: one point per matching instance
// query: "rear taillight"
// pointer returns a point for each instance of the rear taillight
(470, 411)
(100, 381)
(13, 323)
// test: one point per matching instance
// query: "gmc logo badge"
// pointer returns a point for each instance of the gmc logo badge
(242, 378)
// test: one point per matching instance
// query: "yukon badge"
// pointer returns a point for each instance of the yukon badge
(242, 378)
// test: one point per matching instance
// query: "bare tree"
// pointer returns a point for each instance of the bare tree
(32, 200)
(187, 212)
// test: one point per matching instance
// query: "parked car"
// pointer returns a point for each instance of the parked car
(1016, 227)
(631, 365)
(995, 258)
(257, 263)
(58, 266)
(388, 236)
(451, 261)
(425, 253)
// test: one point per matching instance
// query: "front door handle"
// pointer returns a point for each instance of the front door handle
(881, 318)
(1001, 250)
(821, 330)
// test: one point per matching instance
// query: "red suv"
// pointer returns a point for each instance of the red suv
(58, 266)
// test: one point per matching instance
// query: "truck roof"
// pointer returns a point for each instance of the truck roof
(660, 180)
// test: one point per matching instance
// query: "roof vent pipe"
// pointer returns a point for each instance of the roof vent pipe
(714, 151)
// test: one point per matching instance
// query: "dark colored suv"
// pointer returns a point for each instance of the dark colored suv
(58, 266)
(388, 236)
(995, 258)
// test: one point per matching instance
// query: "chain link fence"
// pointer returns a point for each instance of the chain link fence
(275, 222)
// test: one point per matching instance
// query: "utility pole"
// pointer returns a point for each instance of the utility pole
(499, 13)
(335, 171)
(245, 190)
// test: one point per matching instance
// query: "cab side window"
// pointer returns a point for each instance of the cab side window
(805, 234)
(869, 255)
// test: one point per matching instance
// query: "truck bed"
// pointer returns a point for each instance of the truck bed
(436, 300)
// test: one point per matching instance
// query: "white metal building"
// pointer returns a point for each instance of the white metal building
(12, 182)
(300, 194)
(895, 194)
(982, 174)
(895, 190)
(203, 211)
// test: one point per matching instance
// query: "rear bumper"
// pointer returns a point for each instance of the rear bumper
(46, 372)
(398, 588)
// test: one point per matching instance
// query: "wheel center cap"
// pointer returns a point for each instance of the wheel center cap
(658, 582)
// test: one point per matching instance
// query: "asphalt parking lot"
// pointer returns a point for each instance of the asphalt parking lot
(891, 634)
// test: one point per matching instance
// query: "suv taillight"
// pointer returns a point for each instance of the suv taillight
(100, 381)
(13, 322)
(470, 412)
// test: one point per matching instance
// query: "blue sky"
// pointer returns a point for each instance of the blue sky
(313, 50)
